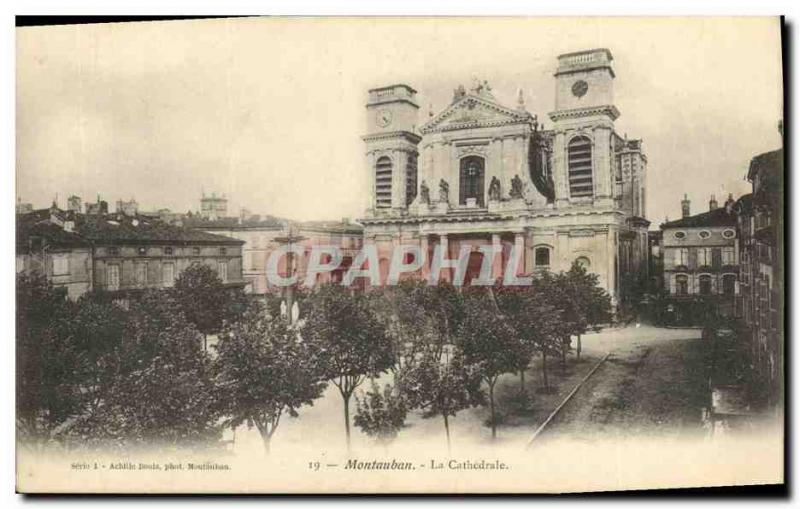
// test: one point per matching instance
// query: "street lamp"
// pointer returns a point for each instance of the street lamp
(290, 238)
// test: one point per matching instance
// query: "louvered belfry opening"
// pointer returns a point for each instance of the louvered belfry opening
(579, 161)
(411, 178)
(383, 183)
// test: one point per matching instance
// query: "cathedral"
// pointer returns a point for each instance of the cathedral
(480, 172)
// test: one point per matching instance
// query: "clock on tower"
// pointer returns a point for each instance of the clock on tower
(391, 143)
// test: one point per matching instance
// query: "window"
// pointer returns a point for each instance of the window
(112, 251)
(584, 262)
(716, 257)
(729, 284)
(682, 284)
(703, 256)
(729, 234)
(471, 180)
(704, 234)
(112, 277)
(140, 276)
(222, 271)
(542, 257)
(705, 284)
(383, 183)
(141, 250)
(411, 178)
(683, 257)
(168, 251)
(728, 256)
(579, 162)
(168, 274)
(196, 251)
(60, 264)
(680, 235)
(223, 251)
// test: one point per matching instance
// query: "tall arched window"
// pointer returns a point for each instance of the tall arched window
(682, 284)
(471, 181)
(411, 178)
(383, 183)
(579, 163)
(705, 284)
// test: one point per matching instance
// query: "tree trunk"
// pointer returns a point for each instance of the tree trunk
(579, 347)
(491, 407)
(447, 432)
(347, 418)
(266, 438)
(205, 343)
(522, 381)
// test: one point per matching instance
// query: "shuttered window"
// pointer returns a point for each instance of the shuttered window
(383, 183)
(579, 161)
(411, 178)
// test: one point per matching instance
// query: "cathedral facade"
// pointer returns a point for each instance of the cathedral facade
(479, 172)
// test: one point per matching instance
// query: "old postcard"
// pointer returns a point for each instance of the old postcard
(399, 255)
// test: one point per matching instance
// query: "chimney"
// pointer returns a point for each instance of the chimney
(729, 203)
(74, 204)
(712, 203)
(685, 206)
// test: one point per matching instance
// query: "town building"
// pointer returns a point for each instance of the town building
(262, 237)
(213, 206)
(480, 172)
(761, 299)
(118, 253)
(47, 244)
(129, 208)
(700, 257)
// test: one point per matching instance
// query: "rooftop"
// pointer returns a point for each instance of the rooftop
(717, 217)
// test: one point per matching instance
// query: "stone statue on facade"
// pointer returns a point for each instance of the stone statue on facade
(517, 188)
(444, 191)
(459, 92)
(494, 189)
(424, 193)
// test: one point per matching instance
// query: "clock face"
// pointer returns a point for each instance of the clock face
(579, 88)
(384, 118)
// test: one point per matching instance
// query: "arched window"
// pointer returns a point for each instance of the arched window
(383, 183)
(584, 262)
(471, 181)
(579, 162)
(411, 178)
(705, 284)
(542, 257)
(682, 284)
(729, 284)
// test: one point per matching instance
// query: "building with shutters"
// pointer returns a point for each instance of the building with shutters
(700, 255)
(480, 172)
(118, 253)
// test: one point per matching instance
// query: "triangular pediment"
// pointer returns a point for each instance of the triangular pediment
(472, 111)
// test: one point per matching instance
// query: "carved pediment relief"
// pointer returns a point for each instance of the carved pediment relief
(472, 111)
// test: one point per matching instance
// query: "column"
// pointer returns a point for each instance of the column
(519, 247)
(497, 261)
(426, 262)
(445, 250)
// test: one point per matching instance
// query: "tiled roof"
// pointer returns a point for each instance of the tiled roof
(92, 229)
(127, 229)
(717, 217)
(32, 234)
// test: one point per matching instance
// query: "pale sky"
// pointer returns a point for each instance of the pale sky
(270, 111)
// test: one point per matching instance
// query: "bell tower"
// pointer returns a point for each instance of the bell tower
(391, 148)
(584, 124)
